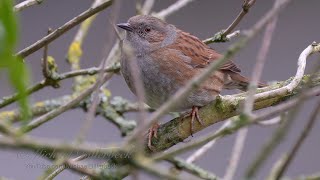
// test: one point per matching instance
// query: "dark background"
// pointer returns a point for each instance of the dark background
(297, 27)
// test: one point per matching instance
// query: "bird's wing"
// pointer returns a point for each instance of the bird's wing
(200, 54)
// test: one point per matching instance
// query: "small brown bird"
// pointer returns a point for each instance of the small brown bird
(168, 58)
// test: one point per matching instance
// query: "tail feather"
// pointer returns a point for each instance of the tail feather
(240, 82)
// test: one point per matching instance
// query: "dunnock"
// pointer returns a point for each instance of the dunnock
(168, 58)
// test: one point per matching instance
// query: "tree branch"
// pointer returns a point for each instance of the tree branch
(25, 4)
(61, 30)
(56, 78)
(245, 9)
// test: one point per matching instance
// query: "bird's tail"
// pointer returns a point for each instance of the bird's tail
(240, 82)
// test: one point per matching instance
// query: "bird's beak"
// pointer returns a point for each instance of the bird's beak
(125, 26)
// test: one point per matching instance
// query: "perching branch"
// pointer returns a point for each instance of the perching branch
(228, 106)
(239, 123)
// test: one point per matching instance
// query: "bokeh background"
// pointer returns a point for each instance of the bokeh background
(297, 27)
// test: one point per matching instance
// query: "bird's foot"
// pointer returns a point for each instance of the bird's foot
(195, 116)
(153, 132)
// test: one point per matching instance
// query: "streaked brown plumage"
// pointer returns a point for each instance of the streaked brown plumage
(168, 58)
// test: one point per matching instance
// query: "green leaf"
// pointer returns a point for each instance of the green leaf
(18, 72)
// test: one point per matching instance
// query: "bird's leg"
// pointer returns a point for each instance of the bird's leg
(195, 115)
(153, 132)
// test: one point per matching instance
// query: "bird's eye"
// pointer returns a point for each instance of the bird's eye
(147, 29)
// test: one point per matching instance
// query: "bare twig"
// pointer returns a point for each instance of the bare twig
(90, 71)
(200, 152)
(148, 166)
(261, 58)
(25, 4)
(96, 98)
(284, 128)
(311, 49)
(272, 121)
(37, 122)
(236, 154)
(138, 88)
(288, 157)
(64, 166)
(274, 141)
(48, 145)
(245, 9)
(225, 35)
(75, 51)
(147, 6)
(83, 169)
(61, 30)
(37, 109)
(193, 169)
(172, 8)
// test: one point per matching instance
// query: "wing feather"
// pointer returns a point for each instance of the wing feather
(200, 54)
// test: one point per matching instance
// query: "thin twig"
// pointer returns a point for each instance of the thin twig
(96, 98)
(274, 141)
(236, 154)
(64, 166)
(25, 4)
(75, 51)
(50, 115)
(82, 168)
(200, 152)
(193, 169)
(37, 109)
(172, 8)
(147, 6)
(63, 29)
(283, 129)
(138, 88)
(245, 9)
(258, 68)
(224, 35)
(288, 157)
(49, 145)
(148, 166)
(57, 77)
(272, 121)
(311, 49)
